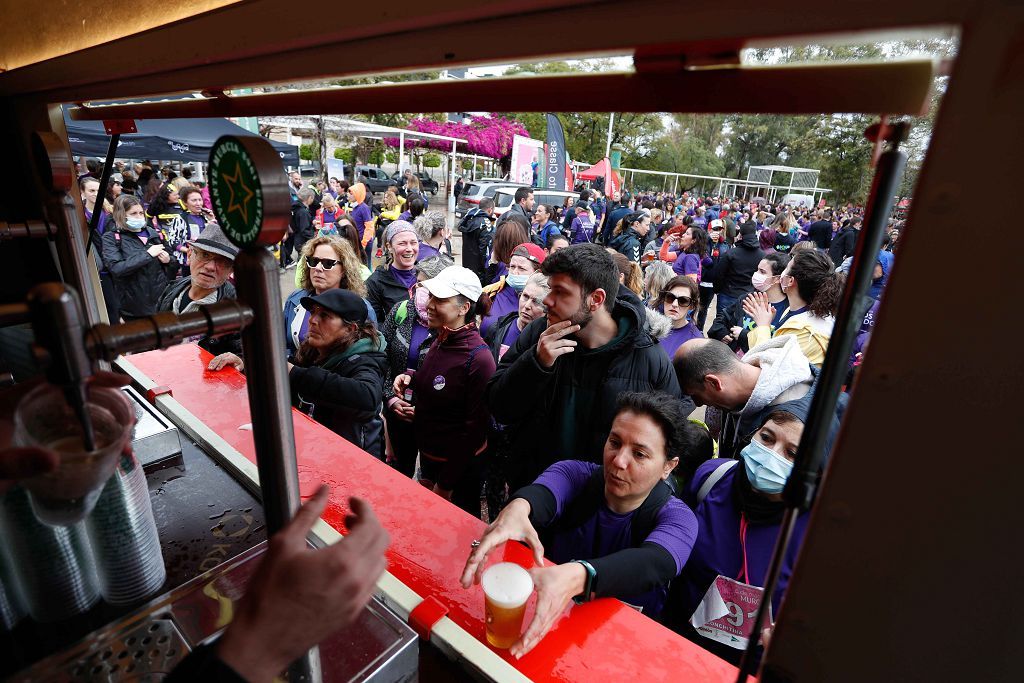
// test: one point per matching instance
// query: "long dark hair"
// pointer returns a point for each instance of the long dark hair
(161, 203)
(307, 355)
(699, 245)
(817, 282)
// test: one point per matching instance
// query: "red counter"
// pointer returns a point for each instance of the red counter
(430, 539)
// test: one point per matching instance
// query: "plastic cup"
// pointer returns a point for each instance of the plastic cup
(507, 587)
(44, 419)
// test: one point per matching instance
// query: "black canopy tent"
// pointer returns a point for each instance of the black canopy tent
(163, 139)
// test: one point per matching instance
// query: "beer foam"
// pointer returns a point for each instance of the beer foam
(507, 584)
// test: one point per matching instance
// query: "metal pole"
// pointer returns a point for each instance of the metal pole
(451, 179)
(401, 151)
(608, 146)
(802, 484)
(97, 209)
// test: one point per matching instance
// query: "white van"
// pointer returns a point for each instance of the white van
(799, 200)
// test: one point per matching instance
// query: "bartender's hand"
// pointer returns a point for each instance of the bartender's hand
(512, 524)
(401, 384)
(556, 587)
(223, 360)
(17, 463)
(299, 595)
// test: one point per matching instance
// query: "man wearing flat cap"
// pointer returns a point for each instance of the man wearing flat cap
(212, 258)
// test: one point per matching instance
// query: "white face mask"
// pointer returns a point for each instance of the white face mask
(761, 282)
(135, 224)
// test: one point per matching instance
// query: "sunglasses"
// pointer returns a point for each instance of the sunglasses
(669, 298)
(328, 263)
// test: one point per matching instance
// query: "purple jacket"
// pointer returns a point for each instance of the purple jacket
(505, 301)
(718, 549)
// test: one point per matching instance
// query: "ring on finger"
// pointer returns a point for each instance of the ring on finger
(474, 543)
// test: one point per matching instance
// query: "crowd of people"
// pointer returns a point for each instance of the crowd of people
(548, 384)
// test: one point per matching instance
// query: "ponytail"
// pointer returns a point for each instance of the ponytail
(817, 282)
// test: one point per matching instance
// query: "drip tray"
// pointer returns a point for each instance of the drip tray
(145, 646)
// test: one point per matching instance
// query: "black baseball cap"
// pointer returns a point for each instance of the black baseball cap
(347, 305)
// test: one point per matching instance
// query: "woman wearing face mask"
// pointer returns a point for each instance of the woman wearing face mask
(327, 263)
(680, 300)
(432, 232)
(337, 374)
(629, 235)
(408, 336)
(504, 294)
(739, 508)
(613, 530)
(390, 284)
(732, 324)
(504, 332)
(451, 415)
(137, 258)
(813, 290)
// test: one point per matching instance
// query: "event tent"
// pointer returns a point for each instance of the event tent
(603, 169)
(163, 139)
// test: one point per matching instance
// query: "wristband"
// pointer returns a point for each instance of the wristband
(588, 587)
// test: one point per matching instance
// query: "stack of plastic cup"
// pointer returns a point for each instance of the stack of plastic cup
(124, 538)
(53, 566)
(12, 608)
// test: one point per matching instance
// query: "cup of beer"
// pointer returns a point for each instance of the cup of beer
(507, 587)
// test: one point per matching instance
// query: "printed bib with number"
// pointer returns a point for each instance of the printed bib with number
(727, 612)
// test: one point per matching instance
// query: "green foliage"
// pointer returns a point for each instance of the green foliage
(392, 157)
(346, 155)
(309, 151)
(376, 156)
(432, 160)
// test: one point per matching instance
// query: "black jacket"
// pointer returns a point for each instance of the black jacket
(566, 413)
(344, 393)
(383, 291)
(139, 277)
(496, 334)
(477, 229)
(302, 222)
(216, 345)
(843, 245)
(732, 272)
(629, 243)
(820, 232)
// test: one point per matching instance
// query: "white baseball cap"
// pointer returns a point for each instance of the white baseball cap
(454, 280)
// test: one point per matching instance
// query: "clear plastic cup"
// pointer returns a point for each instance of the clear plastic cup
(44, 419)
(507, 587)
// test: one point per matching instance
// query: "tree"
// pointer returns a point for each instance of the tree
(309, 151)
(432, 160)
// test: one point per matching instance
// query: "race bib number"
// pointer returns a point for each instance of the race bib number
(727, 612)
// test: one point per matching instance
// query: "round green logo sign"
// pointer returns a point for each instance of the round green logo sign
(235, 191)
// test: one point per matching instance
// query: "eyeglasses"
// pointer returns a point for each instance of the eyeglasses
(669, 297)
(328, 263)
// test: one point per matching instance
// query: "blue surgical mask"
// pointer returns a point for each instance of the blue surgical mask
(766, 469)
(516, 282)
(135, 224)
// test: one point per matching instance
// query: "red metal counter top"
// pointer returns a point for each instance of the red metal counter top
(430, 539)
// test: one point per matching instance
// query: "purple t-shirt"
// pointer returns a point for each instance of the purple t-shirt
(687, 264)
(360, 215)
(504, 303)
(676, 338)
(582, 229)
(419, 335)
(406, 277)
(426, 251)
(609, 532)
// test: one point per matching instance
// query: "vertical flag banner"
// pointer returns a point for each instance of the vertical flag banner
(556, 158)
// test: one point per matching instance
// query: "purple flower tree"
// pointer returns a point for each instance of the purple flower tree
(486, 136)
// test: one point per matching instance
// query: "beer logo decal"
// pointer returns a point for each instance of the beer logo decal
(235, 191)
(439, 383)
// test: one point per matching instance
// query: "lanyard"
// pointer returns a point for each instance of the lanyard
(744, 576)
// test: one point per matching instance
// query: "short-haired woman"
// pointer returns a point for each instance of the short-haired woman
(680, 300)
(613, 530)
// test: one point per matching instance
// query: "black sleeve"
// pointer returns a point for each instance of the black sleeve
(723, 321)
(360, 394)
(513, 389)
(633, 571)
(542, 504)
(203, 664)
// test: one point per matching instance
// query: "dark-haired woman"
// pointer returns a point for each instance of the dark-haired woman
(137, 258)
(812, 289)
(451, 418)
(338, 373)
(614, 530)
(680, 300)
(732, 323)
(629, 235)
(686, 252)
(738, 504)
(164, 214)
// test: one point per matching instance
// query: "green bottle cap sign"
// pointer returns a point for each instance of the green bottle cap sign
(249, 191)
